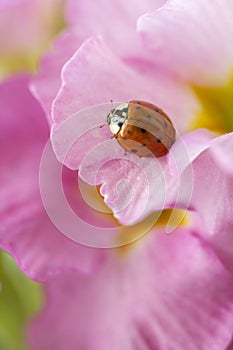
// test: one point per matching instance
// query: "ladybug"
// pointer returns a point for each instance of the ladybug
(142, 128)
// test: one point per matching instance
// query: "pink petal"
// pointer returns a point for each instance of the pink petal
(46, 84)
(222, 245)
(212, 196)
(212, 193)
(39, 248)
(84, 15)
(221, 242)
(192, 39)
(222, 151)
(79, 214)
(117, 23)
(167, 292)
(134, 187)
(94, 75)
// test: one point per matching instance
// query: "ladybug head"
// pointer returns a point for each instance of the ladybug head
(117, 118)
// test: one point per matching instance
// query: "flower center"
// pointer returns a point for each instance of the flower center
(150, 225)
(217, 108)
(129, 236)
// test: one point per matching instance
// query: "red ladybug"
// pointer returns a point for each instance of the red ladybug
(142, 128)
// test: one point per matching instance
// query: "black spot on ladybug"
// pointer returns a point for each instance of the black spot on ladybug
(143, 131)
(148, 116)
(121, 112)
(128, 132)
(134, 150)
(156, 110)
(118, 112)
(143, 145)
(158, 140)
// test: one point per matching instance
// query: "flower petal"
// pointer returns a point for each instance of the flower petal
(117, 23)
(222, 245)
(222, 151)
(230, 346)
(134, 187)
(46, 84)
(94, 75)
(212, 193)
(199, 37)
(84, 15)
(212, 196)
(39, 248)
(168, 292)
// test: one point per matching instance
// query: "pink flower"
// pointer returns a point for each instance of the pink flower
(163, 292)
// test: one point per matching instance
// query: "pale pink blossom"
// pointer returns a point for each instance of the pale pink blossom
(166, 291)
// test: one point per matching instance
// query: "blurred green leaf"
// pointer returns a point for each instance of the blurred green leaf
(20, 299)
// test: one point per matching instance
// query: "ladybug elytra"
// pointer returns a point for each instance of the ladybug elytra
(142, 128)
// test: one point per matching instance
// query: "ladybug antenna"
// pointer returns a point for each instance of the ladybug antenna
(101, 126)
